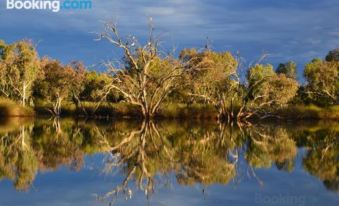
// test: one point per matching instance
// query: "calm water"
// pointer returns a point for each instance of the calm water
(67, 162)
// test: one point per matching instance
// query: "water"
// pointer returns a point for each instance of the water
(68, 162)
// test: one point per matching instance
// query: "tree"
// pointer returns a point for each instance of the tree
(19, 65)
(145, 77)
(93, 85)
(214, 77)
(265, 90)
(270, 88)
(333, 55)
(78, 75)
(56, 84)
(289, 69)
(258, 74)
(322, 81)
(210, 76)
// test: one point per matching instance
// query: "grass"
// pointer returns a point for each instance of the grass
(121, 110)
(124, 110)
(184, 111)
(9, 108)
(309, 112)
(105, 110)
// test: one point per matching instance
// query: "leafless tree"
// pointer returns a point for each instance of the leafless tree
(146, 76)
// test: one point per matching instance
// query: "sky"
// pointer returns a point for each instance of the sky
(298, 30)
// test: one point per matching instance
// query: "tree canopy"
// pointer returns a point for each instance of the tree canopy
(323, 81)
(19, 66)
(289, 69)
(146, 78)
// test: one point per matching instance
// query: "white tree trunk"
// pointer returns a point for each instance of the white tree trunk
(24, 93)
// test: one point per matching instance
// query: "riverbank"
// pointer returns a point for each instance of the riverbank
(123, 110)
(9, 108)
(184, 111)
(127, 111)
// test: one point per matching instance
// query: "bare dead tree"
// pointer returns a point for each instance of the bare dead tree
(145, 77)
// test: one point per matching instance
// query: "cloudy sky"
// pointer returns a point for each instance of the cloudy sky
(286, 29)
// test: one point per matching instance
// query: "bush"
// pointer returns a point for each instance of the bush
(105, 110)
(309, 112)
(184, 111)
(9, 108)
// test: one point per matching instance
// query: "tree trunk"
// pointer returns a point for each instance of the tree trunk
(146, 114)
(23, 93)
(57, 107)
(78, 104)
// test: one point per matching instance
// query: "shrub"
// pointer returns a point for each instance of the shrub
(9, 108)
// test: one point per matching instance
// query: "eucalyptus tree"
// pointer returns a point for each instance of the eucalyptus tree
(322, 81)
(266, 90)
(212, 77)
(333, 55)
(19, 66)
(94, 83)
(289, 69)
(78, 76)
(145, 77)
(57, 84)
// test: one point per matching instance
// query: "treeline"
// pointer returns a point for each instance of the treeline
(148, 80)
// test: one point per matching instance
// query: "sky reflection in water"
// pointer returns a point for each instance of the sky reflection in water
(67, 162)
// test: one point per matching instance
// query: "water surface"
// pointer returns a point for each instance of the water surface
(77, 162)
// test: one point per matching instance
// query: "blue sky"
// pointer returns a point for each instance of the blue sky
(287, 29)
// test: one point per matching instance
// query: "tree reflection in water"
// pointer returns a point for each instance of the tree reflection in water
(322, 157)
(193, 154)
(149, 153)
(17, 159)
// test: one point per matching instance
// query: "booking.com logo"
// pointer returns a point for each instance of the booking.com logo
(53, 5)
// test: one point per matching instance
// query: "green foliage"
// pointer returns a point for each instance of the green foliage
(162, 85)
(58, 83)
(323, 82)
(208, 72)
(283, 89)
(55, 82)
(210, 77)
(184, 111)
(289, 69)
(259, 73)
(308, 112)
(333, 55)
(266, 88)
(94, 84)
(19, 67)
